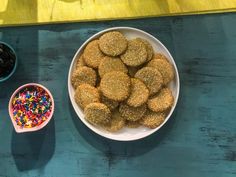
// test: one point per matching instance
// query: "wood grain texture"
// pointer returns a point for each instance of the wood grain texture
(198, 140)
(25, 12)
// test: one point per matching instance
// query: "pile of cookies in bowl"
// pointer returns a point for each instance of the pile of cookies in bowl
(122, 82)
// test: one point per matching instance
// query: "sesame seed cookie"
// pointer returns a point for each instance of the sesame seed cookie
(159, 56)
(86, 94)
(113, 43)
(132, 124)
(116, 123)
(132, 113)
(97, 113)
(162, 101)
(111, 104)
(136, 53)
(148, 48)
(80, 62)
(151, 77)
(92, 54)
(109, 64)
(139, 93)
(152, 119)
(165, 68)
(83, 75)
(115, 85)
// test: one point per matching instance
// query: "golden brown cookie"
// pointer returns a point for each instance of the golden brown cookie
(132, 124)
(92, 55)
(80, 62)
(132, 113)
(83, 75)
(139, 93)
(159, 56)
(112, 43)
(152, 119)
(148, 48)
(111, 104)
(136, 53)
(116, 123)
(115, 85)
(97, 113)
(109, 64)
(86, 94)
(162, 101)
(165, 68)
(151, 77)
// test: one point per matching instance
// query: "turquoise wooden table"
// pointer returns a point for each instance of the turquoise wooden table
(198, 141)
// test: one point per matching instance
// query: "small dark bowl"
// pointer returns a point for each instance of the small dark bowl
(15, 64)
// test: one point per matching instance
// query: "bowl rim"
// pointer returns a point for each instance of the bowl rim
(22, 130)
(97, 35)
(15, 66)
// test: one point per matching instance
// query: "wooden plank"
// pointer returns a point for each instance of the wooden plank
(198, 140)
(14, 12)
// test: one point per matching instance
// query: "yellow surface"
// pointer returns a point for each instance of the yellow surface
(21, 12)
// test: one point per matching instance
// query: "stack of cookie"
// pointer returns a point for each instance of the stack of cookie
(122, 82)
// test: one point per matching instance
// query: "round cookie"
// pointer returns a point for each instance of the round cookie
(109, 64)
(152, 119)
(139, 93)
(148, 48)
(112, 43)
(136, 53)
(165, 68)
(132, 113)
(111, 104)
(97, 113)
(132, 124)
(115, 85)
(159, 56)
(86, 94)
(80, 62)
(162, 101)
(116, 123)
(83, 75)
(92, 55)
(151, 77)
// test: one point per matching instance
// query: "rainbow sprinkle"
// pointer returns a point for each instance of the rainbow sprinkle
(31, 106)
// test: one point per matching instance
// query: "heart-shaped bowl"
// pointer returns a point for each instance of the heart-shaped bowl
(12, 113)
(126, 134)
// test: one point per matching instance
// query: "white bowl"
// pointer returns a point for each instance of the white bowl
(126, 134)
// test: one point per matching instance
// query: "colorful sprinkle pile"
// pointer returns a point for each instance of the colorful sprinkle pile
(31, 106)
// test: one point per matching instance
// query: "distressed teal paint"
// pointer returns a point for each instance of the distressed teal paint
(198, 140)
